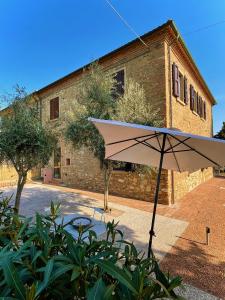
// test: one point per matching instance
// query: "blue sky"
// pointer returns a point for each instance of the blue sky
(41, 41)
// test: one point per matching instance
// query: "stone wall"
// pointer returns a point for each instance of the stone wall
(152, 68)
(146, 67)
(180, 116)
(8, 175)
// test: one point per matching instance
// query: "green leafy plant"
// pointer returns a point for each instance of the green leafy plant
(39, 259)
(24, 142)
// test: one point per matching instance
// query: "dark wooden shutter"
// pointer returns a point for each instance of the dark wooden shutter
(192, 97)
(54, 108)
(200, 107)
(120, 80)
(204, 110)
(197, 103)
(185, 90)
(176, 82)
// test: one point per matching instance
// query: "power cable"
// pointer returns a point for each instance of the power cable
(204, 27)
(126, 23)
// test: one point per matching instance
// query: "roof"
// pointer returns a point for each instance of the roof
(168, 24)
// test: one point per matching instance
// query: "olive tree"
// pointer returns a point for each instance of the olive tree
(95, 98)
(24, 142)
(134, 107)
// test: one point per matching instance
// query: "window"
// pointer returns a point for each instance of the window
(185, 90)
(57, 163)
(192, 97)
(175, 76)
(54, 108)
(195, 101)
(126, 166)
(204, 110)
(200, 107)
(119, 86)
(179, 84)
(181, 87)
(68, 161)
(182, 90)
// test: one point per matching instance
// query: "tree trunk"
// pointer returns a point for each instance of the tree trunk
(20, 184)
(107, 176)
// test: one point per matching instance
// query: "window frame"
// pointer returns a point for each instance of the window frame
(181, 86)
(52, 112)
(116, 70)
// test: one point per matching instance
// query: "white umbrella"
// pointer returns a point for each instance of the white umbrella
(159, 147)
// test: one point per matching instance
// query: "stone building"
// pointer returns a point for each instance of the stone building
(172, 82)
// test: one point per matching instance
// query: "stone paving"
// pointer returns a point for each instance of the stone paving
(180, 246)
(134, 223)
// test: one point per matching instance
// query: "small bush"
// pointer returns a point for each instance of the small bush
(40, 260)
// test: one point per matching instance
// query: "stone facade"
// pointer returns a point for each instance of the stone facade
(146, 67)
(9, 177)
(182, 117)
(152, 67)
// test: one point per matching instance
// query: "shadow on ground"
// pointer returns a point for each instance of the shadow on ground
(197, 267)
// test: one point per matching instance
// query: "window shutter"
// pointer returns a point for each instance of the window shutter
(197, 103)
(192, 97)
(204, 110)
(54, 108)
(119, 86)
(185, 91)
(176, 83)
(51, 110)
(200, 107)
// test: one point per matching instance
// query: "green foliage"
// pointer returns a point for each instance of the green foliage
(97, 98)
(40, 260)
(133, 107)
(24, 142)
(221, 133)
(94, 99)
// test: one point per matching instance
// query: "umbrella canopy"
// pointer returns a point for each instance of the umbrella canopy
(159, 147)
(143, 145)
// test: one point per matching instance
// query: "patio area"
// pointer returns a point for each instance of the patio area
(133, 222)
(180, 230)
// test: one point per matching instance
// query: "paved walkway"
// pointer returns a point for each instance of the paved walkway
(134, 223)
(184, 252)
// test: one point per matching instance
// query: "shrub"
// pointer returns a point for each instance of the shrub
(39, 259)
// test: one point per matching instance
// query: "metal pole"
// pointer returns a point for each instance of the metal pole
(151, 232)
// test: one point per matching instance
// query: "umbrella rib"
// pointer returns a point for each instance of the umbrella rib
(134, 139)
(170, 148)
(158, 141)
(174, 154)
(122, 150)
(131, 139)
(176, 151)
(148, 145)
(198, 152)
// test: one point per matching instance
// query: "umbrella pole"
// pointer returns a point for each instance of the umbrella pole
(151, 232)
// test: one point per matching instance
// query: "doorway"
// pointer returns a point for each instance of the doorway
(57, 163)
